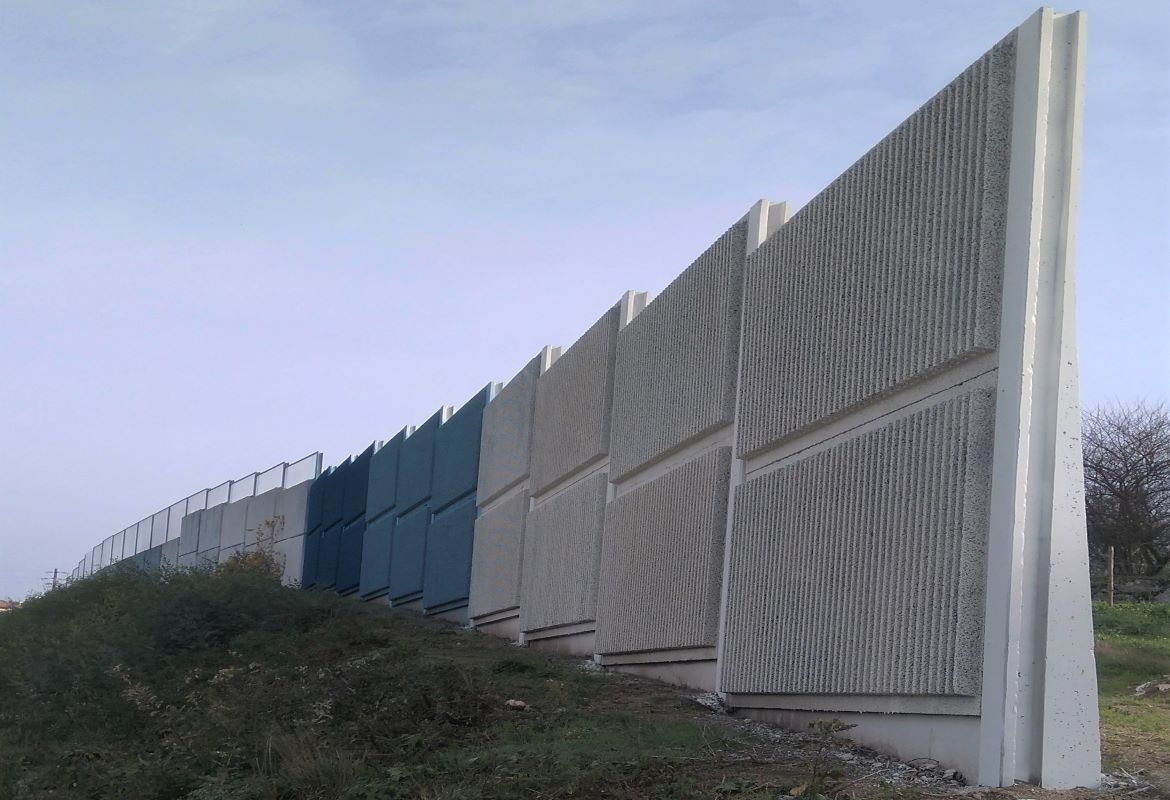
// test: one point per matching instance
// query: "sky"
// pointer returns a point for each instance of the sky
(233, 233)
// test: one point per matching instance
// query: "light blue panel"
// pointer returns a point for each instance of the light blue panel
(447, 572)
(158, 528)
(349, 560)
(456, 467)
(375, 580)
(407, 553)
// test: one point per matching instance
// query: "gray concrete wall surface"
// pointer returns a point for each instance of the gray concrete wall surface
(498, 556)
(891, 273)
(562, 556)
(662, 560)
(506, 446)
(574, 402)
(676, 361)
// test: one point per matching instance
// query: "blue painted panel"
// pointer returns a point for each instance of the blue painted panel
(376, 557)
(357, 484)
(315, 513)
(416, 462)
(407, 551)
(349, 561)
(334, 502)
(312, 549)
(384, 478)
(327, 555)
(456, 468)
(447, 575)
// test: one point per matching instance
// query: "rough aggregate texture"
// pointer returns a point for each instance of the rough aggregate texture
(506, 444)
(498, 557)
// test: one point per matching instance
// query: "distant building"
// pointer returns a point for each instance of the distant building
(8, 605)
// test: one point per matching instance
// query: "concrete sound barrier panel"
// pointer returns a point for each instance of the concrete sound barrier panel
(235, 523)
(383, 486)
(169, 553)
(309, 560)
(328, 554)
(152, 558)
(407, 554)
(907, 543)
(416, 461)
(574, 401)
(457, 446)
(292, 509)
(210, 528)
(357, 486)
(562, 555)
(189, 533)
(188, 560)
(333, 502)
(289, 556)
(662, 560)
(349, 558)
(207, 559)
(506, 444)
(498, 557)
(676, 362)
(447, 565)
(375, 574)
(260, 523)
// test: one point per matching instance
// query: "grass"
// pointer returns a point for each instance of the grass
(228, 686)
(1133, 647)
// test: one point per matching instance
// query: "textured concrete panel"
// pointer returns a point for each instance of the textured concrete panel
(858, 569)
(315, 509)
(662, 560)
(207, 559)
(375, 579)
(235, 522)
(188, 560)
(311, 556)
(152, 558)
(562, 555)
(328, 554)
(498, 557)
(383, 491)
(261, 522)
(289, 554)
(227, 553)
(891, 273)
(407, 553)
(189, 535)
(506, 444)
(456, 468)
(333, 502)
(349, 559)
(210, 528)
(574, 400)
(447, 566)
(677, 360)
(169, 553)
(357, 486)
(291, 510)
(416, 462)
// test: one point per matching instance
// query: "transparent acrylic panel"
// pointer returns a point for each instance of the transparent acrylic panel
(197, 501)
(158, 528)
(143, 543)
(219, 495)
(244, 487)
(116, 549)
(270, 479)
(307, 469)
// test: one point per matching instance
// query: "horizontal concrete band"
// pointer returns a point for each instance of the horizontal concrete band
(884, 704)
(497, 616)
(561, 630)
(658, 656)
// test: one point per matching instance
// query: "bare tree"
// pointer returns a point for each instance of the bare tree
(1127, 485)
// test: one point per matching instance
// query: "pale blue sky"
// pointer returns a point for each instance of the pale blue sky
(235, 232)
